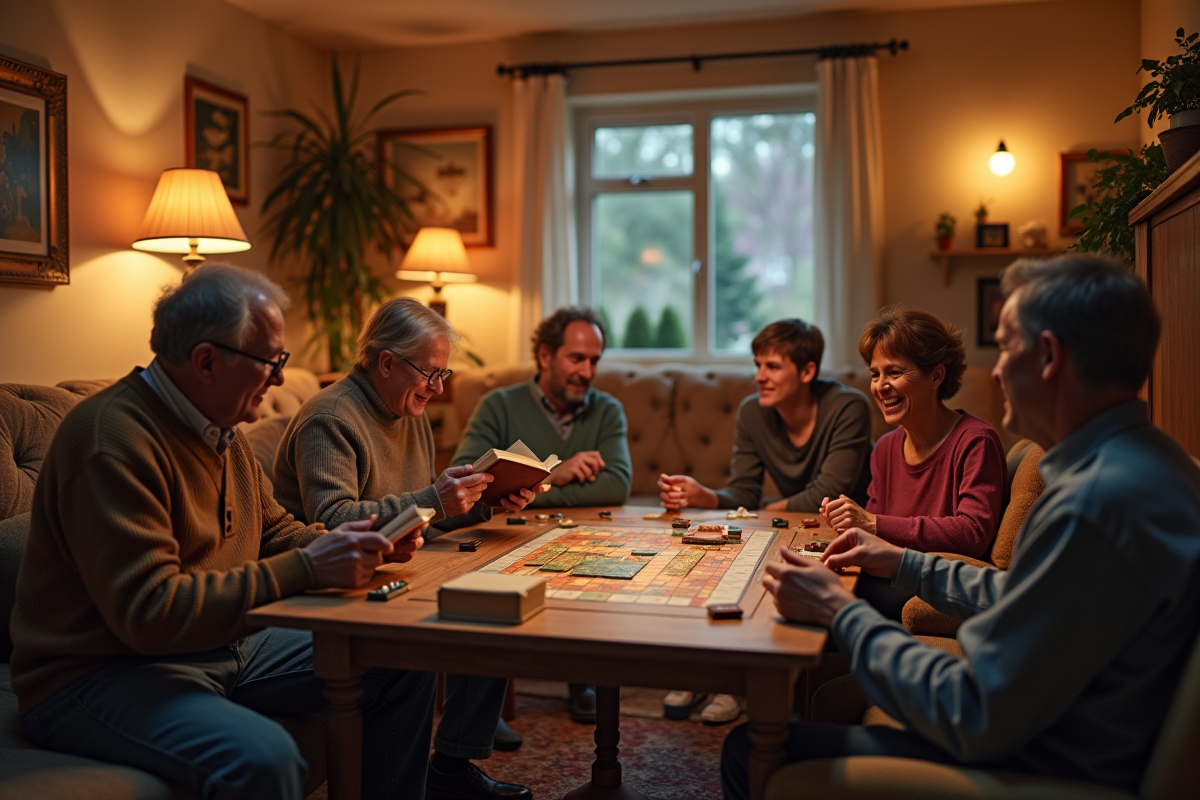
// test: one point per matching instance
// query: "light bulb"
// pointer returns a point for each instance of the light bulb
(1002, 162)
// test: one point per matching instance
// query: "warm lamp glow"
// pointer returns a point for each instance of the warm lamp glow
(190, 213)
(437, 256)
(1002, 162)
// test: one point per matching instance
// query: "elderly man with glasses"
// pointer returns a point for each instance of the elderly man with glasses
(153, 532)
(364, 447)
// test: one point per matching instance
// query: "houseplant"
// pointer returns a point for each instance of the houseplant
(330, 204)
(1121, 184)
(1175, 93)
(945, 230)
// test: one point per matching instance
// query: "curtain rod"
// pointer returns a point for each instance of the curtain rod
(828, 51)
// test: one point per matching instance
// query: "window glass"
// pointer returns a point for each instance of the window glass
(762, 203)
(650, 150)
(643, 250)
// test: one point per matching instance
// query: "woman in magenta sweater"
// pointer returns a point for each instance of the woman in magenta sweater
(937, 479)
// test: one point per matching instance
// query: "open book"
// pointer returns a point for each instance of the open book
(512, 470)
(395, 526)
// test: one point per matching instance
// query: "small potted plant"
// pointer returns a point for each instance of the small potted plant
(945, 230)
(981, 211)
(1175, 93)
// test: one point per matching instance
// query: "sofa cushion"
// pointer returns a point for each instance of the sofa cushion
(706, 404)
(29, 415)
(646, 394)
(13, 533)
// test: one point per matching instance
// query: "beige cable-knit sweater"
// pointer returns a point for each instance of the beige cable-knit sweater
(144, 541)
(346, 456)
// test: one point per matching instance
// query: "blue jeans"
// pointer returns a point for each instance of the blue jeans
(470, 712)
(196, 720)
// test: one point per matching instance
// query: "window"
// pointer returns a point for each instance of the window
(696, 219)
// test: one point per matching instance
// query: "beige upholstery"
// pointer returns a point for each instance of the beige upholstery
(681, 416)
(29, 416)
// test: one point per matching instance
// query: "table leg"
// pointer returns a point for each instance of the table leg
(768, 705)
(606, 769)
(343, 719)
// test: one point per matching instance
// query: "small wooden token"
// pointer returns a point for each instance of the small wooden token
(516, 520)
(809, 523)
(567, 523)
(469, 546)
(543, 517)
(779, 523)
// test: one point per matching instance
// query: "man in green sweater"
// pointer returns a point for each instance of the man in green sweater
(153, 532)
(558, 412)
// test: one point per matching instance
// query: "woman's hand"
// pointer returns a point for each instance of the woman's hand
(458, 489)
(680, 491)
(843, 514)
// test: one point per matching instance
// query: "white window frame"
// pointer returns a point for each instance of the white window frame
(696, 108)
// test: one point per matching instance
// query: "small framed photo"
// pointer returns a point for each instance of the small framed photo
(1078, 178)
(991, 234)
(446, 177)
(33, 174)
(988, 302)
(217, 135)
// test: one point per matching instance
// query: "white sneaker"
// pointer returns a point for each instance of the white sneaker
(679, 705)
(723, 709)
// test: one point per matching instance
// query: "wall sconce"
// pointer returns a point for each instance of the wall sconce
(190, 213)
(437, 257)
(1002, 162)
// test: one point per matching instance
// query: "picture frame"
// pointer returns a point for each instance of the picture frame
(34, 235)
(988, 302)
(445, 175)
(991, 234)
(1077, 175)
(216, 135)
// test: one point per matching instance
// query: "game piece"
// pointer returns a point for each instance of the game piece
(558, 515)
(643, 551)
(741, 513)
(606, 514)
(546, 556)
(516, 520)
(724, 611)
(710, 528)
(681, 522)
(704, 537)
(567, 523)
(733, 534)
(779, 523)
(800, 551)
(469, 546)
(564, 563)
(543, 517)
(657, 515)
(388, 591)
(817, 546)
(617, 568)
(679, 532)
(809, 522)
(683, 563)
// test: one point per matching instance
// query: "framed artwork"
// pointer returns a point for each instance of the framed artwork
(446, 177)
(1078, 178)
(988, 302)
(991, 234)
(216, 134)
(33, 174)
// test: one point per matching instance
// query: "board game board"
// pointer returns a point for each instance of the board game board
(642, 567)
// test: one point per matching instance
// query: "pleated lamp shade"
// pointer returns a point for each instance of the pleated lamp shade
(190, 213)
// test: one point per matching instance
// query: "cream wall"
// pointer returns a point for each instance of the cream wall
(125, 62)
(1047, 77)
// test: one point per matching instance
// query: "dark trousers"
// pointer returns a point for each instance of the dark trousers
(197, 720)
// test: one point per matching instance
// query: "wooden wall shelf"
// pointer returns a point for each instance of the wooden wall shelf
(946, 256)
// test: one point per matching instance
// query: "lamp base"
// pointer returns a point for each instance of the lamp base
(439, 306)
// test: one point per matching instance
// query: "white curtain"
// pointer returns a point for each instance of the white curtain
(848, 213)
(542, 161)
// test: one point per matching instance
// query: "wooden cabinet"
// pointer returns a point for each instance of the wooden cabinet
(1167, 226)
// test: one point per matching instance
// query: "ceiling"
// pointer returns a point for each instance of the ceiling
(405, 23)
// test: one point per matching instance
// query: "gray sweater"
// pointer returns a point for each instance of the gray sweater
(1073, 655)
(835, 460)
(346, 456)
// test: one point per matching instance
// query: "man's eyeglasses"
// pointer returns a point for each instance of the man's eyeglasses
(276, 366)
(432, 375)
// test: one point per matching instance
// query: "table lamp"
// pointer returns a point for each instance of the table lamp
(437, 257)
(190, 213)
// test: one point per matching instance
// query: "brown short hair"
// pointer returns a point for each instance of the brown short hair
(800, 341)
(553, 329)
(920, 337)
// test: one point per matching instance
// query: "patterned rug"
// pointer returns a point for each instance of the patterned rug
(662, 759)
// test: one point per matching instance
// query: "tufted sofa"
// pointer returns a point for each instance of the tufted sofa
(29, 416)
(681, 416)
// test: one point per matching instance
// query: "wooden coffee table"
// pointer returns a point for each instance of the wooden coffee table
(758, 657)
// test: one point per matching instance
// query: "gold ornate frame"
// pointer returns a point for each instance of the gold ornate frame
(51, 88)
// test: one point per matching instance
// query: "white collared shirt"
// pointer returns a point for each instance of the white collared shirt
(216, 438)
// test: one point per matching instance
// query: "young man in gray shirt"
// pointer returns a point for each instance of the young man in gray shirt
(1071, 658)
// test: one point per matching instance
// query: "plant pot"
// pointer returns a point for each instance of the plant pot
(945, 242)
(1182, 140)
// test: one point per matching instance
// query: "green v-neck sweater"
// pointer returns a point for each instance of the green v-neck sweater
(510, 413)
(144, 541)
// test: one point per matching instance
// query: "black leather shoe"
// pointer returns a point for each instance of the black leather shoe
(582, 705)
(471, 783)
(506, 739)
